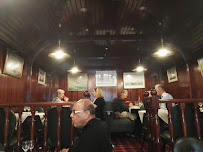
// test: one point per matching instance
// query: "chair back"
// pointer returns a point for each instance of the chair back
(26, 125)
(65, 127)
(12, 124)
(188, 144)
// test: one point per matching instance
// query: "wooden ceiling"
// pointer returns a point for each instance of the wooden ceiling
(109, 33)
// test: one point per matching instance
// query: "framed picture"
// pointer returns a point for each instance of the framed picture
(77, 82)
(133, 80)
(106, 78)
(41, 77)
(172, 75)
(200, 62)
(13, 65)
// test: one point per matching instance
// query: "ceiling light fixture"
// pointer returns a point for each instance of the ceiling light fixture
(83, 9)
(139, 68)
(163, 52)
(74, 69)
(59, 54)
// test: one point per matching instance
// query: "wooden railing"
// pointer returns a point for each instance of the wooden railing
(153, 122)
(19, 109)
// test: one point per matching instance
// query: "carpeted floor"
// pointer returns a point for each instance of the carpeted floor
(127, 144)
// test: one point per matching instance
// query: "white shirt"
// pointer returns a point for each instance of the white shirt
(165, 96)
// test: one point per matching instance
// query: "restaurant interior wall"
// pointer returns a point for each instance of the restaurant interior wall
(16, 90)
(186, 79)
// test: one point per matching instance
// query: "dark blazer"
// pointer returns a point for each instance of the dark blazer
(93, 138)
(119, 105)
(100, 102)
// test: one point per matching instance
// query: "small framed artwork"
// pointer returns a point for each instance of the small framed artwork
(172, 75)
(77, 82)
(200, 63)
(41, 77)
(133, 80)
(13, 65)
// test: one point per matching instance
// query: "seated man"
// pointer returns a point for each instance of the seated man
(164, 96)
(120, 107)
(94, 137)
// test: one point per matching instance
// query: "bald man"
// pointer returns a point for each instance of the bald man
(94, 137)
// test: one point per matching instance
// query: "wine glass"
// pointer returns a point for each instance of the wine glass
(25, 146)
(31, 144)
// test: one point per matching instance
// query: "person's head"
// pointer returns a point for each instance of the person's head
(124, 94)
(159, 89)
(82, 111)
(60, 93)
(86, 94)
(97, 93)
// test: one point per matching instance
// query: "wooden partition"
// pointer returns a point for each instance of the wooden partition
(19, 109)
(153, 122)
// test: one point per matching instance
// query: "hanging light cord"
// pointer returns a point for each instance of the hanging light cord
(59, 35)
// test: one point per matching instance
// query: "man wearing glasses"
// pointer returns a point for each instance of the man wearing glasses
(94, 137)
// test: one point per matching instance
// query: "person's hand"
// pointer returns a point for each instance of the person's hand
(66, 98)
(64, 150)
(150, 95)
(130, 104)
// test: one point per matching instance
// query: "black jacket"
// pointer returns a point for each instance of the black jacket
(94, 138)
(100, 108)
(119, 105)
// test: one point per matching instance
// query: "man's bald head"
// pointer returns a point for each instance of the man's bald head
(86, 104)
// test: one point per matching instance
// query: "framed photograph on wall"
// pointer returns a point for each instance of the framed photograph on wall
(172, 75)
(106, 78)
(200, 63)
(13, 65)
(41, 77)
(133, 80)
(77, 82)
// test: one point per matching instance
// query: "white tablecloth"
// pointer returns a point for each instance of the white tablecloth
(26, 114)
(163, 114)
(133, 107)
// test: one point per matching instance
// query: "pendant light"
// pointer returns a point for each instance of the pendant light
(163, 51)
(139, 68)
(74, 69)
(59, 53)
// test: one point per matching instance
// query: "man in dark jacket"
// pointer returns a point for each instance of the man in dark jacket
(119, 104)
(94, 137)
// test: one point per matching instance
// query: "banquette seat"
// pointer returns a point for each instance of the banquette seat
(117, 125)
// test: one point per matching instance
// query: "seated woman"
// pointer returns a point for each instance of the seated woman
(99, 101)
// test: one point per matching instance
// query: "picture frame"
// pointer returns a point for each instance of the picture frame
(200, 63)
(106, 78)
(77, 82)
(172, 75)
(133, 80)
(13, 65)
(41, 77)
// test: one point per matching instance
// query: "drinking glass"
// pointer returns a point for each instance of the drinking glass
(25, 146)
(31, 144)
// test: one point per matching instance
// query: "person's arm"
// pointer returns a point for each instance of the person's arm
(65, 150)
(65, 98)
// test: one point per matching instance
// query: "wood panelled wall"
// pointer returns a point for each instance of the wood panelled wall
(109, 92)
(189, 84)
(14, 90)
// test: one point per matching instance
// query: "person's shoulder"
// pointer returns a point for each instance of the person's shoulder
(167, 96)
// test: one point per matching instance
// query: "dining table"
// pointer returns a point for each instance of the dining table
(26, 114)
